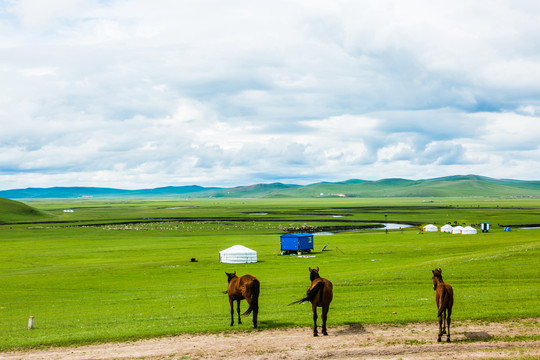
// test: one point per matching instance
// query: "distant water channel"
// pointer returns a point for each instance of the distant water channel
(389, 226)
(385, 226)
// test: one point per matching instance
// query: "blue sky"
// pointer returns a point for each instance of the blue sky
(138, 94)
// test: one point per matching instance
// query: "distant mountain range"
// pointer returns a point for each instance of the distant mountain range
(451, 186)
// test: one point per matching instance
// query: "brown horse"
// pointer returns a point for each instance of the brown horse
(320, 295)
(444, 297)
(245, 287)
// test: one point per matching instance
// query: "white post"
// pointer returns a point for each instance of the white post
(30, 323)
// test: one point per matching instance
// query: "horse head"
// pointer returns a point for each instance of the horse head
(230, 276)
(437, 277)
(313, 273)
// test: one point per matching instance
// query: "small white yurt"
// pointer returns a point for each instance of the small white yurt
(468, 230)
(430, 227)
(457, 230)
(238, 254)
(446, 228)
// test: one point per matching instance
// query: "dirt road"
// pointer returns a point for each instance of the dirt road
(517, 339)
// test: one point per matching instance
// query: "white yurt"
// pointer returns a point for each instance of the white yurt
(457, 229)
(430, 227)
(446, 228)
(238, 254)
(468, 230)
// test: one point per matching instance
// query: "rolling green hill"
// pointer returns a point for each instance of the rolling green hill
(90, 192)
(386, 187)
(257, 190)
(451, 186)
(15, 211)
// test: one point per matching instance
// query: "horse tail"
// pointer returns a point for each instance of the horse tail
(444, 301)
(311, 293)
(254, 304)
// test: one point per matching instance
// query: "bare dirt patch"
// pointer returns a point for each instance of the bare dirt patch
(517, 339)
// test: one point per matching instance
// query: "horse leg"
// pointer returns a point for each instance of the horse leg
(444, 322)
(255, 313)
(255, 310)
(448, 320)
(440, 328)
(238, 310)
(231, 302)
(315, 320)
(324, 317)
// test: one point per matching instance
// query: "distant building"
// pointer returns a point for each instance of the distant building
(457, 230)
(446, 228)
(468, 230)
(238, 254)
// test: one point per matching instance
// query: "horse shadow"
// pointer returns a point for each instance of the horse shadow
(272, 324)
(352, 329)
(474, 336)
(477, 336)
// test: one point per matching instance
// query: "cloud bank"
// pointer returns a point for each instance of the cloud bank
(137, 94)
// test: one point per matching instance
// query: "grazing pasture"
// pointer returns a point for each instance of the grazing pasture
(120, 270)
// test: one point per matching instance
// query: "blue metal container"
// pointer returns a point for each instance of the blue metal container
(296, 243)
(484, 226)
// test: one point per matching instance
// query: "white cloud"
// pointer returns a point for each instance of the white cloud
(397, 151)
(444, 153)
(507, 131)
(138, 93)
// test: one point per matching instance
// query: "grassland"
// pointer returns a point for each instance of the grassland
(117, 270)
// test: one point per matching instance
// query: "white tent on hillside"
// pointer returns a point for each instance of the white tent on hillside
(430, 227)
(446, 228)
(468, 230)
(238, 254)
(457, 230)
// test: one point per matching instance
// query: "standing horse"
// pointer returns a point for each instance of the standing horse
(444, 297)
(245, 287)
(320, 295)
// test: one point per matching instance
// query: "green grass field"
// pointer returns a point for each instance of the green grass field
(118, 270)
